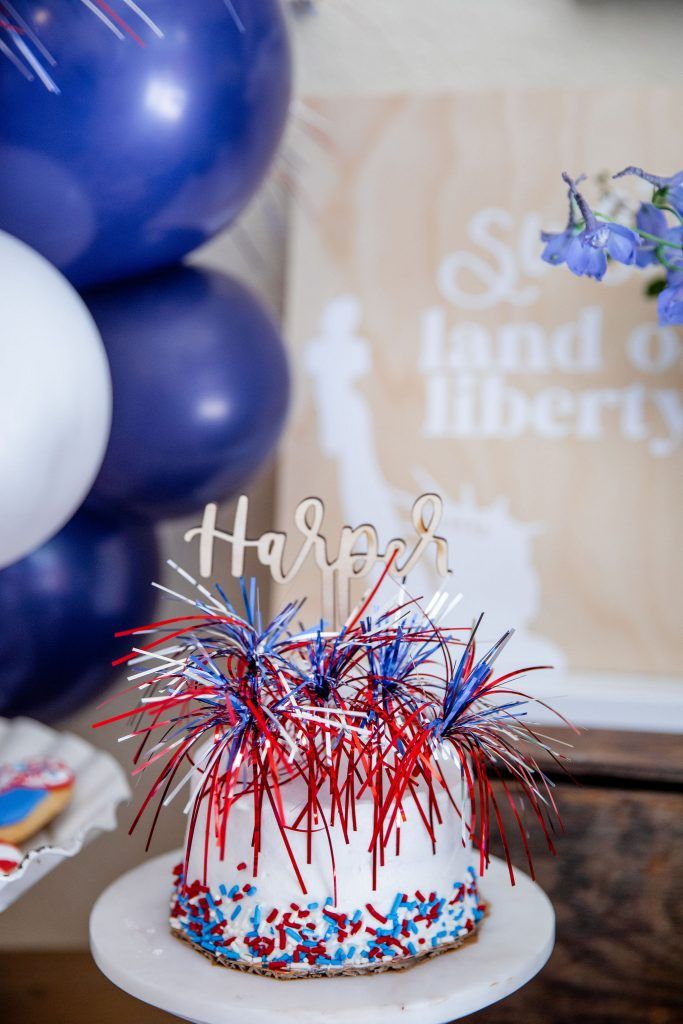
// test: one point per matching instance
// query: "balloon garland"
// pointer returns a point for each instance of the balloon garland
(201, 388)
(60, 607)
(118, 156)
(130, 133)
(55, 400)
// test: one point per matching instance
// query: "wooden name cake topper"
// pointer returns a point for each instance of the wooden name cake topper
(358, 552)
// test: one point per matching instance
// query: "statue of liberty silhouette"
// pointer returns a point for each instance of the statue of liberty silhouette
(491, 552)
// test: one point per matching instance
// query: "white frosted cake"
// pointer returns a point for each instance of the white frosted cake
(421, 900)
(341, 781)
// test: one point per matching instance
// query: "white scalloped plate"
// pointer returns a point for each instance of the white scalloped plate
(100, 787)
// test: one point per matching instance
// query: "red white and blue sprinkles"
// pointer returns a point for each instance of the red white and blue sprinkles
(231, 925)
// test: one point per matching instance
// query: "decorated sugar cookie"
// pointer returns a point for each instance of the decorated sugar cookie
(10, 858)
(32, 793)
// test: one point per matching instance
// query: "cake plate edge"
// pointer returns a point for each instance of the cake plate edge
(132, 945)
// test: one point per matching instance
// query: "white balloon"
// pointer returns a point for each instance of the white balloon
(55, 400)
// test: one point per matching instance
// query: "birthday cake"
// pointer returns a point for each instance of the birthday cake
(328, 903)
(341, 781)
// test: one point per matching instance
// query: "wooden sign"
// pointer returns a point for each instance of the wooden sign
(357, 554)
(433, 350)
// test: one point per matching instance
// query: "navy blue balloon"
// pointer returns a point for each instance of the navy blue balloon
(148, 150)
(201, 387)
(60, 607)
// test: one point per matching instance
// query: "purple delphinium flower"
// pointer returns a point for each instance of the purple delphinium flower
(670, 300)
(585, 252)
(673, 256)
(652, 220)
(558, 242)
(671, 186)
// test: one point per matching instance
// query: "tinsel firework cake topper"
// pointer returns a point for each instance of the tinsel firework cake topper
(372, 711)
(358, 551)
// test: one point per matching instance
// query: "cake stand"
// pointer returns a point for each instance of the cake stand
(132, 945)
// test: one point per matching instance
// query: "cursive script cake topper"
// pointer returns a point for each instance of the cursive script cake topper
(358, 551)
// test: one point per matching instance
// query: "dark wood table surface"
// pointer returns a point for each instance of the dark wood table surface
(617, 887)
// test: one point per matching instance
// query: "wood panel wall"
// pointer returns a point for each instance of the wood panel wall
(616, 883)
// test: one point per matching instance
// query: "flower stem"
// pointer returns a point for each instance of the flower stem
(664, 261)
(672, 209)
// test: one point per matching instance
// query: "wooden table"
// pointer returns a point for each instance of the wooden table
(617, 886)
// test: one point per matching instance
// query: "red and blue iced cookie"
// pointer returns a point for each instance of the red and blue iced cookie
(10, 858)
(32, 793)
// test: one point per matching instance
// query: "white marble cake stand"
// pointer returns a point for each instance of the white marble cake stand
(131, 944)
